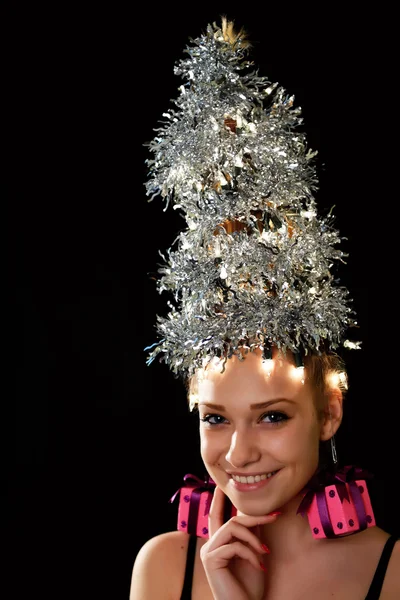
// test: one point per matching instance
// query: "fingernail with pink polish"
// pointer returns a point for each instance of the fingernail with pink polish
(263, 568)
(267, 550)
(276, 512)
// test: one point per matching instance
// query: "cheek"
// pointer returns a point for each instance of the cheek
(292, 443)
(307, 443)
(210, 447)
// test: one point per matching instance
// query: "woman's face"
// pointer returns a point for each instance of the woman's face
(256, 423)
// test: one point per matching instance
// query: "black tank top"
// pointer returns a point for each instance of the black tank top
(373, 593)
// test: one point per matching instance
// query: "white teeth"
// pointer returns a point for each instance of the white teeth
(251, 478)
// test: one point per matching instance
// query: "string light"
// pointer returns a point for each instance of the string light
(267, 361)
(337, 380)
(298, 373)
(298, 368)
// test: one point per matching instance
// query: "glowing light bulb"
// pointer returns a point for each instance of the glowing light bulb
(308, 214)
(352, 345)
(268, 365)
(297, 373)
(337, 380)
(343, 380)
(333, 379)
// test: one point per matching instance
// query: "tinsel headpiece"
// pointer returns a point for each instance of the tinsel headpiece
(253, 267)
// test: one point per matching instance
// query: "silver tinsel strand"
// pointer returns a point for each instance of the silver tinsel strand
(253, 267)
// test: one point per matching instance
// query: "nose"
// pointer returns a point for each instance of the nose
(243, 449)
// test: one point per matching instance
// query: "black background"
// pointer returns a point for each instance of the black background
(100, 441)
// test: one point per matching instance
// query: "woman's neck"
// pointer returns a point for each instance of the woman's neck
(290, 535)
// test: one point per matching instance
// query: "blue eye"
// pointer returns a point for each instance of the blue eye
(207, 418)
(282, 416)
(272, 413)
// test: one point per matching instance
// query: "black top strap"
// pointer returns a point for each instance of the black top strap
(187, 584)
(376, 586)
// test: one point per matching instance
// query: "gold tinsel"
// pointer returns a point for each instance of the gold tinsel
(234, 38)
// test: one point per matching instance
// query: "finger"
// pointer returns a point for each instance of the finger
(256, 531)
(216, 514)
(220, 557)
(234, 530)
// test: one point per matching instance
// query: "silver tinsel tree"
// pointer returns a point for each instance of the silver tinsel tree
(253, 266)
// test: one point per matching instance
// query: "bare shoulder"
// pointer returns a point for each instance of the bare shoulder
(159, 567)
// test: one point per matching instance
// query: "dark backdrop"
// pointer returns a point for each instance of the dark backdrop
(100, 441)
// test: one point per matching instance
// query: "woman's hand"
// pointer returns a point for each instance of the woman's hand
(232, 555)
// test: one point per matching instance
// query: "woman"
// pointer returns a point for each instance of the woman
(251, 275)
(259, 554)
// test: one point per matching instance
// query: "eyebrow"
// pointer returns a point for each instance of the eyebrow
(252, 406)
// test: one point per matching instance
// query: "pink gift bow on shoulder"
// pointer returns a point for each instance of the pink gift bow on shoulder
(316, 486)
(207, 484)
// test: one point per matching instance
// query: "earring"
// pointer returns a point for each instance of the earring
(333, 445)
(333, 448)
